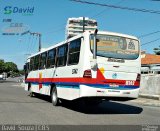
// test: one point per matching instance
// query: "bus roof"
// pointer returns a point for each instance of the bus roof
(80, 35)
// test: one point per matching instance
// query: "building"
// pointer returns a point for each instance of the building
(77, 26)
(150, 63)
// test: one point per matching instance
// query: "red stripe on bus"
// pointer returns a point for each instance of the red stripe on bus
(80, 80)
(99, 80)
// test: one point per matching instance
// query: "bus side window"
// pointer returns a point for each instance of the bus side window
(32, 63)
(26, 69)
(62, 55)
(74, 52)
(36, 62)
(51, 58)
(42, 64)
(28, 66)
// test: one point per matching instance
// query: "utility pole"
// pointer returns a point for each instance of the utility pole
(83, 24)
(39, 35)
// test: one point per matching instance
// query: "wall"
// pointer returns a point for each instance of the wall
(150, 84)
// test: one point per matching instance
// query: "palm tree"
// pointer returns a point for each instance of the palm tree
(157, 50)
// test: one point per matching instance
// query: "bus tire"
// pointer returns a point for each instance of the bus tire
(29, 89)
(54, 97)
(31, 94)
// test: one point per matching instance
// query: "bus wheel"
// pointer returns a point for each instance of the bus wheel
(30, 91)
(31, 94)
(54, 97)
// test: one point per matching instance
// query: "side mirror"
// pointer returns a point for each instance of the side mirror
(94, 60)
(25, 67)
(94, 64)
(95, 44)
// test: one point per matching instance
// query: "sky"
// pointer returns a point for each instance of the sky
(49, 18)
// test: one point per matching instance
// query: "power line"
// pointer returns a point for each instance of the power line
(35, 41)
(117, 7)
(29, 40)
(150, 42)
(39, 35)
(31, 44)
(106, 9)
(55, 31)
(141, 36)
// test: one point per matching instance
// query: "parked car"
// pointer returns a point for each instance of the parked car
(2, 77)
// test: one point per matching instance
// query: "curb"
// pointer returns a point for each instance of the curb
(155, 97)
(152, 104)
(22, 84)
(147, 102)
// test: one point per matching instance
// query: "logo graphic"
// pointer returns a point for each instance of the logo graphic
(114, 76)
(24, 11)
(131, 45)
(8, 10)
(15, 29)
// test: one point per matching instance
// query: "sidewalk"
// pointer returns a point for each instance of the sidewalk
(22, 84)
(147, 102)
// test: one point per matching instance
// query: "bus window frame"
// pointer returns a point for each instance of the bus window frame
(51, 66)
(44, 66)
(31, 65)
(81, 39)
(38, 62)
(65, 44)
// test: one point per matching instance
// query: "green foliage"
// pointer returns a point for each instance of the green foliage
(157, 50)
(21, 72)
(8, 67)
(2, 66)
(14, 74)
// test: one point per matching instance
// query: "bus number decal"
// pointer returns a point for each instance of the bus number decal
(130, 82)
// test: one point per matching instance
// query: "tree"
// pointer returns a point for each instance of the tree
(22, 72)
(157, 50)
(2, 66)
(10, 67)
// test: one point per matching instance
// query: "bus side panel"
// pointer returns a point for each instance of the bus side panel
(32, 85)
(46, 86)
(68, 92)
(67, 88)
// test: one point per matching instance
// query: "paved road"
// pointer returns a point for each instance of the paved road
(16, 107)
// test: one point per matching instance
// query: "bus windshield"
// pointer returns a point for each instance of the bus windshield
(116, 47)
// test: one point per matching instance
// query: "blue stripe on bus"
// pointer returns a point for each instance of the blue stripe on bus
(69, 86)
(77, 85)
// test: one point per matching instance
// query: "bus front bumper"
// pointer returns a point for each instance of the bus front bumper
(90, 91)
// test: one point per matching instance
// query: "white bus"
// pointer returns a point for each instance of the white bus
(94, 66)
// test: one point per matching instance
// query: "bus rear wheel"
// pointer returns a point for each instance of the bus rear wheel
(54, 97)
(31, 94)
